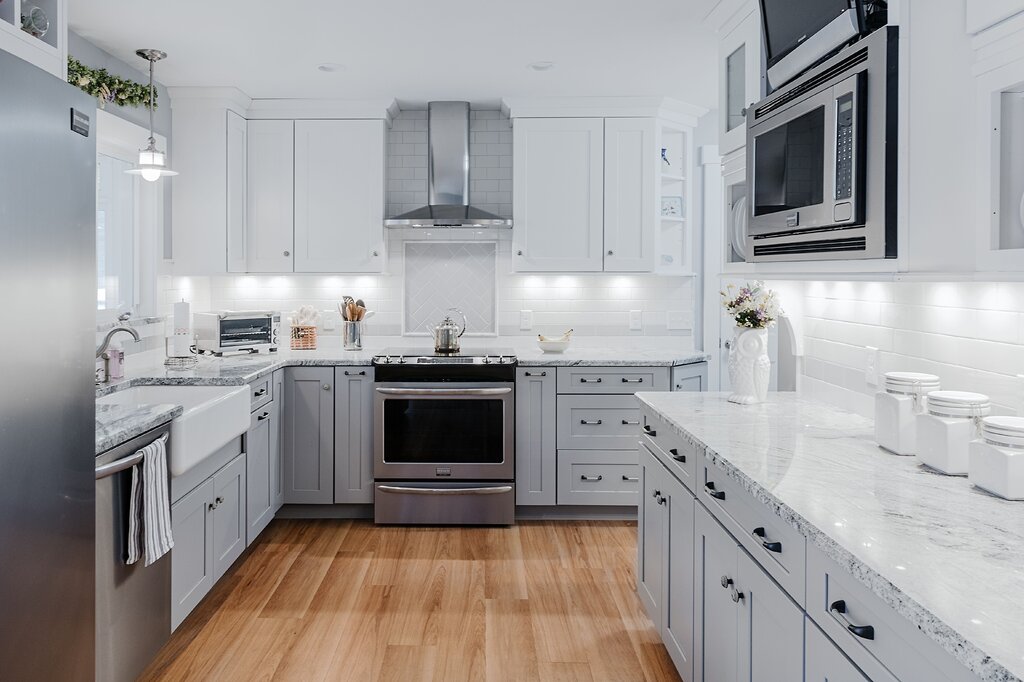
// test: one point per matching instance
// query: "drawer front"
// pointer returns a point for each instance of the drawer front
(680, 456)
(598, 422)
(593, 477)
(261, 392)
(778, 547)
(869, 631)
(612, 379)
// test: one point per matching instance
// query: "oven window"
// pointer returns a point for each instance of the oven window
(789, 165)
(418, 431)
(242, 332)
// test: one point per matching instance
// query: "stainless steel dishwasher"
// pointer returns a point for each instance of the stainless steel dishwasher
(133, 603)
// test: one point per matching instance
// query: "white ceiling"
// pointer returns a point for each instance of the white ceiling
(417, 50)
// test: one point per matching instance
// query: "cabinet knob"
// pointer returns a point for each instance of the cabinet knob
(736, 595)
(726, 581)
(375, 254)
(519, 253)
(611, 253)
(327, 387)
(287, 253)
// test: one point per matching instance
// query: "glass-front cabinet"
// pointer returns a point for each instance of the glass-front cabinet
(740, 69)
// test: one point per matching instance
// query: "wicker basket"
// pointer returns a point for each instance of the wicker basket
(303, 337)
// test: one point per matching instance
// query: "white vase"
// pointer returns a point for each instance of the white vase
(749, 366)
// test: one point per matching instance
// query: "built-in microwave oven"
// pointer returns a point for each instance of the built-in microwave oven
(821, 160)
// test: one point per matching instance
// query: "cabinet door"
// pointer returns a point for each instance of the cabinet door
(192, 574)
(690, 377)
(717, 615)
(228, 515)
(630, 162)
(259, 501)
(236, 197)
(825, 662)
(276, 439)
(269, 196)
(740, 65)
(558, 186)
(535, 437)
(771, 627)
(309, 435)
(651, 536)
(353, 435)
(339, 196)
(677, 594)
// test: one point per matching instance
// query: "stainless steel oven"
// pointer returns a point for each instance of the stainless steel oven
(821, 160)
(444, 438)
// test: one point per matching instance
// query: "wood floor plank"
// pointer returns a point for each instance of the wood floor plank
(330, 600)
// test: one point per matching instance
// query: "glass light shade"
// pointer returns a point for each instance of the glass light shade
(151, 165)
(151, 157)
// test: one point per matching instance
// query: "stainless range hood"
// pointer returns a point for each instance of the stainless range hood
(448, 174)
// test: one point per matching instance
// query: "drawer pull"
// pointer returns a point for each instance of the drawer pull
(632, 381)
(770, 546)
(676, 456)
(626, 422)
(709, 488)
(360, 373)
(596, 422)
(263, 416)
(535, 374)
(260, 393)
(649, 431)
(584, 477)
(631, 479)
(862, 631)
(584, 380)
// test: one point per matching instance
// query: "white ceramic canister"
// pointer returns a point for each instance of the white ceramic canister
(996, 461)
(945, 431)
(896, 408)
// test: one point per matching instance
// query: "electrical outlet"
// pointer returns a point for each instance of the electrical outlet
(676, 320)
(871, 365)
(636, 320)
(525, 320)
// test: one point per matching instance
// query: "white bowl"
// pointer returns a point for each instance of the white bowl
(553, 346)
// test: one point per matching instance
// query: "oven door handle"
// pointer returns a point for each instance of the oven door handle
(443, 391)
(493, 490)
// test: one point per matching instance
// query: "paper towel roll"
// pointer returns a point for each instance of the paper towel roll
(181, 340)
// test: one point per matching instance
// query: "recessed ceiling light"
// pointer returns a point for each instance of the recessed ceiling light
(541, 66)
(330, 67)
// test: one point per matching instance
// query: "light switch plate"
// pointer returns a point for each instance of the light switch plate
(871, 365)
(636, 320)
(525, 320)
(676, 320)
(328, 318)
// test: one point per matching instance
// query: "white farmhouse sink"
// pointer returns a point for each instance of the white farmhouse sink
(213, 416)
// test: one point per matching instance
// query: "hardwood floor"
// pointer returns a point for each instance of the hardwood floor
(347, 600)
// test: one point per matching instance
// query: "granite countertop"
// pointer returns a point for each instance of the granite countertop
(116, 424)
(947, 556)
(243, 369)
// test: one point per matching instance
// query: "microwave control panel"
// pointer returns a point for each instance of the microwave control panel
(844, 147)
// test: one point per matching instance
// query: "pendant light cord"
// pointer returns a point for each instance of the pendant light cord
(152, 140)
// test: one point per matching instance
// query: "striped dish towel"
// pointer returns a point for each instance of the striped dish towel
(149, 513)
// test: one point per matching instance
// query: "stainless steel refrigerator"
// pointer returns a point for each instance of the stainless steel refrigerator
(47, 430)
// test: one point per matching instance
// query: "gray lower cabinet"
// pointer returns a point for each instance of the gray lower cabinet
(276, 442)
(353, 435)
(604, 422)
(209, 527)
(308, 442)
(690, 377)
(535, 436)
(771, 640)
(650, 532)
(824, 662)
(598, 477)
(260, 455)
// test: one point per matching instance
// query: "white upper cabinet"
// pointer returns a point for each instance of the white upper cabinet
(48, 51)
(982, 14)
(270, 190)
(741, 63)
(236, 195)
(629, 194)
(339, 196)
(558, 178)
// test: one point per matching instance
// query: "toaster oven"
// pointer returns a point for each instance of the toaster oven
(236, 332)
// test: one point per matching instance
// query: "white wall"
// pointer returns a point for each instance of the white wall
(971, 334)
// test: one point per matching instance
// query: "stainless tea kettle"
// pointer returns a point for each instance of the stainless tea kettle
(447, 334)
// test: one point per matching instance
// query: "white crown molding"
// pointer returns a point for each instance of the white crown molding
(383, 109)
(204, 98)
(665, 108)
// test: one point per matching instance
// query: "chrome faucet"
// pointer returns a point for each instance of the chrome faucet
(102, 348)
(101, 352)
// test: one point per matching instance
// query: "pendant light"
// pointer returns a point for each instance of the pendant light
(152, 162)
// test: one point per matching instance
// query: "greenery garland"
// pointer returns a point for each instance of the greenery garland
(107, 88)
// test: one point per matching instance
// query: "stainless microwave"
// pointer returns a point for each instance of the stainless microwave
(236, 332)
(821, 160)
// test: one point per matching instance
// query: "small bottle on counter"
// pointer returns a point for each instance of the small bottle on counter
(115, 363)
(897, 406)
